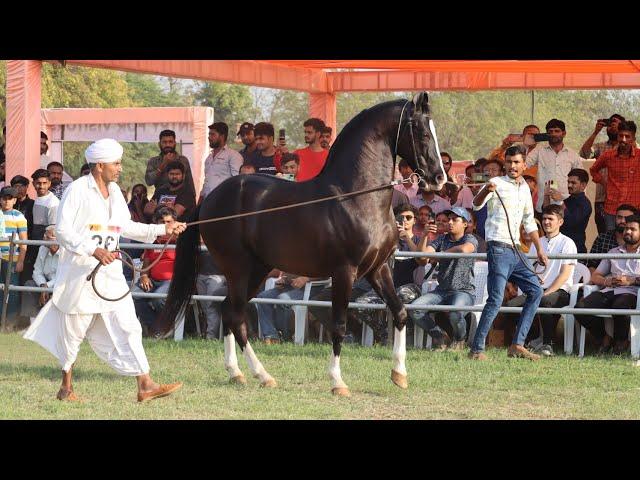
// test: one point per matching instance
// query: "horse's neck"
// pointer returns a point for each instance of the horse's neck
(370, 164)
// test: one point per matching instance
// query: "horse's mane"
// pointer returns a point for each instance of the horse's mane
(356, 127)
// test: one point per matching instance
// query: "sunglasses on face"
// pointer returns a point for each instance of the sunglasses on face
(407, 217)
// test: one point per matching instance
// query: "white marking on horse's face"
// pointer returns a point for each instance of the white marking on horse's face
(432, 128)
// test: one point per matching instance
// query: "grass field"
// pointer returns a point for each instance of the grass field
(443, 385)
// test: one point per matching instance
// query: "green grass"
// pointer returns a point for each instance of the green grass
(442, 385)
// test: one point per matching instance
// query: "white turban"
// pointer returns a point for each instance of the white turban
(105, 150)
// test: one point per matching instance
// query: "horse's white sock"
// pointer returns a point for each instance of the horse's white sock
(230, 358)
(400, 350)
(334, 372)
(255, 366)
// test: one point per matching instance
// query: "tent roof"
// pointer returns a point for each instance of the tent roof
(322, 76)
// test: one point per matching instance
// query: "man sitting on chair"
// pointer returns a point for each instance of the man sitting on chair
(275, 318)
(556, 278)
(620, 279)
(455, 277)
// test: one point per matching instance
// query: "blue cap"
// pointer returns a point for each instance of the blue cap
(460, 212)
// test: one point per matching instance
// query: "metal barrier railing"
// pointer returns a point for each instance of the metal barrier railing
(13, 241)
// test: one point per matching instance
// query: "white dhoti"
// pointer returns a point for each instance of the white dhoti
(87, 220)
(115, 337)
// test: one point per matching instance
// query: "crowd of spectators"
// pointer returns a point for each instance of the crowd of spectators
(427, 221)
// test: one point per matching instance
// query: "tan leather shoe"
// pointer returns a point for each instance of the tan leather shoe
(271, 341)
(518, 351)
(478, 356)
(161, 391)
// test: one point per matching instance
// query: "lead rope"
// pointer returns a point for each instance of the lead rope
(413, 179)
(523, 259)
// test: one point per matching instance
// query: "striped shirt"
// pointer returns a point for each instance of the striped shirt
(14, 221)
(517, 200)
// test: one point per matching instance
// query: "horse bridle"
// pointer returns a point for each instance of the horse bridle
(420, 173)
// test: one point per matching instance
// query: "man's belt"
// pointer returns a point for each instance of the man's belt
(500, 244)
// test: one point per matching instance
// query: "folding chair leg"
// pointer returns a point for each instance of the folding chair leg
(429, 342)
(368, 335)
(583, 334)
(300, 314)
(178, 333)
(569, 326)
(418, 336)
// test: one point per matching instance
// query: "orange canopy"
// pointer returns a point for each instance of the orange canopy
(321, 78)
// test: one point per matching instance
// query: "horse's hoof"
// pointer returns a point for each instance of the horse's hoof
(399, 379)
(341, 391)
(238, 380)
(270, 383)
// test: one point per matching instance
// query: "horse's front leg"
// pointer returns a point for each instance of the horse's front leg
(382, 282)
(342, 283)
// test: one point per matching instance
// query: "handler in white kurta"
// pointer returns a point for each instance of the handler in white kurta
(91, 217)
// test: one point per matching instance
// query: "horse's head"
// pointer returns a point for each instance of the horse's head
(418, 143)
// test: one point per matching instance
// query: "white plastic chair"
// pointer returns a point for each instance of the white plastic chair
(581, 277)
(178, 332)
(634, 330)
(299, 311)
(480, 272)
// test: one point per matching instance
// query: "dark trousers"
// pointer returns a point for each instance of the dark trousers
(595, 325)
(549, 322)
(322, 314)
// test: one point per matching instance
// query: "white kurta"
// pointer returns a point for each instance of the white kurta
(87, 220)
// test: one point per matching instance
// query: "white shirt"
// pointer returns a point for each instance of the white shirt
(517, 200)
(465, 198)
(437, 205)
(558, 244)
(620, 266)
(44, 270)
(226, 164)
(553, 166)
(87, 220)
(45, 209)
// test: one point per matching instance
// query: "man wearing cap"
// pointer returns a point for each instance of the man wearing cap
(455, 277)
(223, 162)
(250, 150)
(156, 173)
(92, 216)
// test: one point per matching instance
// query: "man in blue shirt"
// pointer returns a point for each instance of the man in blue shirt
(577, 208)
(455, 277)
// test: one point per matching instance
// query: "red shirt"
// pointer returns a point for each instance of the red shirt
(623, 181)
(163, 270)
(310, 163)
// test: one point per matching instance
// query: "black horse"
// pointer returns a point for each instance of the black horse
(344, 239)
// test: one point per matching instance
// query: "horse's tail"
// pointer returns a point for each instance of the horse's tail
(183, 281)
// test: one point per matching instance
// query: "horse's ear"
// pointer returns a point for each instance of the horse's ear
(421, 102)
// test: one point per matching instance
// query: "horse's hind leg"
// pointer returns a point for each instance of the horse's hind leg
(258, 273)
(382, 282)
(340, 292)
(246, 279)
(230, 358)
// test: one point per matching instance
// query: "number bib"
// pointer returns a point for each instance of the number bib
(105, 236)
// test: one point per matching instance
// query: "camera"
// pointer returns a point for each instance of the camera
(399, 219)
(541, 137)
(606, 121)
(480, 178)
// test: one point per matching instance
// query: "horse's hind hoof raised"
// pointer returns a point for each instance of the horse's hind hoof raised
(270, 383)
(238, 380)
(341, 392)
(399, 379)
